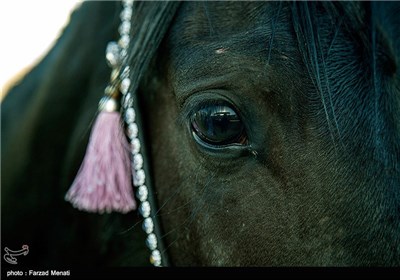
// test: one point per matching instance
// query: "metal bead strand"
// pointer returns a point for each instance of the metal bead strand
(139, 177)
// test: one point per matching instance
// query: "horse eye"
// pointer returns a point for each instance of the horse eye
(218, 125)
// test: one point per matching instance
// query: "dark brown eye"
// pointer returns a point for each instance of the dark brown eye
(218, 125)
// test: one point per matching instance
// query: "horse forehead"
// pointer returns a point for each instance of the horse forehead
(220, 18)
(206, 30)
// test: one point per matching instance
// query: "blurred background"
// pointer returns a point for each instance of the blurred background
(28, 30)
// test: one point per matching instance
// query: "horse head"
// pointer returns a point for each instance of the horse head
(270, 133)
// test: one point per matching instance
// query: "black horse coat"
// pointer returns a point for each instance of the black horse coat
(313, 178)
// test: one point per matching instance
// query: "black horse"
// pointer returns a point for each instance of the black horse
(305, 171)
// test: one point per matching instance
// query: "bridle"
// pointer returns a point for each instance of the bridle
(114, 192)
(144, 192)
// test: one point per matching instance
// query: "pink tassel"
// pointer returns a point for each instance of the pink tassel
(103, 183)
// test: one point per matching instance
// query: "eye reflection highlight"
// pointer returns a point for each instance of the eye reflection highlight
(218, 125)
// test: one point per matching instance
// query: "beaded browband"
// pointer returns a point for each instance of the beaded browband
(139, 177)
(113, 158)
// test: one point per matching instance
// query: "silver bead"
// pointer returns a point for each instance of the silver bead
(130, 115)
(155, 258)
(124, 41)
(135, 146)
(124, 28)
(139, 178)
(132, 130)
(108, 104)
(125, 84)
(137, 161)
(144, 209)
(127, 100)
(148, 225)
(151, 241)
(142, 193)
(127, 3)
(126, 13)
(123, 54)
(113, 54)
